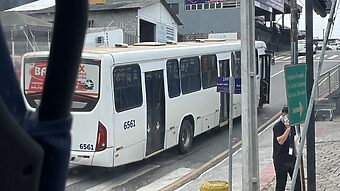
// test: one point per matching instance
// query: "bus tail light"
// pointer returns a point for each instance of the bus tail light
(101, 137)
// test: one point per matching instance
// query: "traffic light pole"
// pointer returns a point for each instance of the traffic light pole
(313, 93)
(311, 177)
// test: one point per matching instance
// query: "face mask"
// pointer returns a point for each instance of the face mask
(284, 118)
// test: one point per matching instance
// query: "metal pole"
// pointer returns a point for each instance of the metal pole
(48, 40)
(323, 34)
(13, 44)
(250, 163)
(231, 123)
(338, 70)
(329, 83)
(311, 174)
(312, 98)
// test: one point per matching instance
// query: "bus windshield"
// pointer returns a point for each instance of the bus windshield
(87, 85)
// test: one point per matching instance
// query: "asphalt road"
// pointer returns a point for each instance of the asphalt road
(159, 171)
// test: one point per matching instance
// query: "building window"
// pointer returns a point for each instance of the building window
(218, 5)
(209, 71)
(172, 70)
(187, 7)
(193, 7)
(190, 74)
(236, 64)
(127, 87)
(174, 7)
(200, 6)
(212, 5)
(90, 23)
(206, 6)
(230, 5)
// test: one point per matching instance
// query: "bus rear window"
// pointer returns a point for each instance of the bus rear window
(87, 86)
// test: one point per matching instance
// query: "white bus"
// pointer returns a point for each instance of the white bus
(131, 103)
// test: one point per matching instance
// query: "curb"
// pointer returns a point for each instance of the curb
(196, 172)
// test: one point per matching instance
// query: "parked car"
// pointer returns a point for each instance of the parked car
(320, 47)
(302, 47)
(333, 46)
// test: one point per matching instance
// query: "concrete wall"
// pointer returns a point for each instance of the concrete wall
(216, 20)
(125, 19)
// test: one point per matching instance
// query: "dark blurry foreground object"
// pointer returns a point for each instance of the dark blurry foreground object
(36, 145)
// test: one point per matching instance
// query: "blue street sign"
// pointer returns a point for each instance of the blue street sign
(237, 85)
(222, 84)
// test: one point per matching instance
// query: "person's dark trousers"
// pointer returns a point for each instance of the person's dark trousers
(281, 171)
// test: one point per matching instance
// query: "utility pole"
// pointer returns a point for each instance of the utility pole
(294, 31)
(250, 163)
(311, 177)
(294, 60)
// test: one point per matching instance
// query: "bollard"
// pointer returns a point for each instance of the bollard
(217, 185)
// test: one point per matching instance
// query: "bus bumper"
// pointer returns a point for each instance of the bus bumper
(102, 158)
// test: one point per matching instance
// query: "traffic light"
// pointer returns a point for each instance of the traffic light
(322, 7)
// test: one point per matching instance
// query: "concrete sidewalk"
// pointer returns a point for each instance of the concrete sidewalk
(327, 161)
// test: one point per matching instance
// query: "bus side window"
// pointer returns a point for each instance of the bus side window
(127, 87)
(236, 66)
(172, 69)
(209, 71)
(190, 74)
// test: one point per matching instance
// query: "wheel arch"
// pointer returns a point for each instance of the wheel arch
(190, 118)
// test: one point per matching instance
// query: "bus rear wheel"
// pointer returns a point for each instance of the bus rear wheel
(185, 137)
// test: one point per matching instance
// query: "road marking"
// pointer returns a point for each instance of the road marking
(302, 57)
(287, 58)
(279, 57)
(83, 173)
(117, 181)
(332, 57)
(166, 180)
(187, 178)
(276, 74)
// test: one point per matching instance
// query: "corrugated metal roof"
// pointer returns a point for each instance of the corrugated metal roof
(49, 7)
(17, 19)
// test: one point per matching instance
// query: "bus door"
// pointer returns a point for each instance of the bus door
(265, 79)
(155, 102)
(224, 66)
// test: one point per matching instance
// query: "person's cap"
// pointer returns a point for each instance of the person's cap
(285, 109)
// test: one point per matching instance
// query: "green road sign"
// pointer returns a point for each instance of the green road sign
(295, 76)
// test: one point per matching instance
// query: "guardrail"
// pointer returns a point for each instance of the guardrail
(329, 82)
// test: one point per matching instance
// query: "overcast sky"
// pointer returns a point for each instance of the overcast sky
(319, 24)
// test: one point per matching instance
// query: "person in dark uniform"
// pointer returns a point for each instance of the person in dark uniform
(284, 154)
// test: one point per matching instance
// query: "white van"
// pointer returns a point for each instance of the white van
(302, 47)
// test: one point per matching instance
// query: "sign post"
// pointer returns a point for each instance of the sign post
(295, 76)
(230, 85)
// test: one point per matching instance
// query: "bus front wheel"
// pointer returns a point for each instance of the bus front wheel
(185, 137)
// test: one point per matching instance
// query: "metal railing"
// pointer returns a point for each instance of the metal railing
(329, 82)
